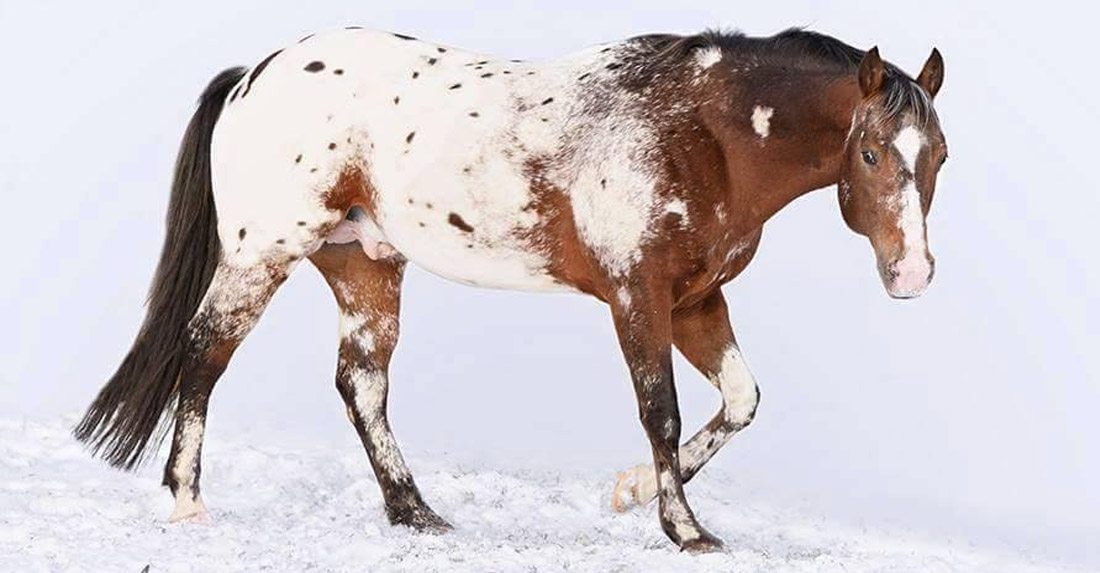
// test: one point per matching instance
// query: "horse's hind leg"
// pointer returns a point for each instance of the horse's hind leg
(369, 295)
(703, 335)
(232, 305)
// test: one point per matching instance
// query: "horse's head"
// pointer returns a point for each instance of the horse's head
(888, 175)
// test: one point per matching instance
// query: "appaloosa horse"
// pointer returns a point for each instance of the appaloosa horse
(639, 172)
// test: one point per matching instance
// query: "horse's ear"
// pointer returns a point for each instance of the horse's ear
(871, 73)
(931, 77)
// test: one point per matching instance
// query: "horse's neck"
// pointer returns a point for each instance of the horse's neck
(809, 122)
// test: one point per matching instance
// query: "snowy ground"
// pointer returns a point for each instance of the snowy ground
(321, 511)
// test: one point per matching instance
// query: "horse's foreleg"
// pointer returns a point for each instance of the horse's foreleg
(703, 335)
(236, 298)
(643, 321)
(368, 293)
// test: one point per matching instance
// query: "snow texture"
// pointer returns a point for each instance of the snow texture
(321, 511)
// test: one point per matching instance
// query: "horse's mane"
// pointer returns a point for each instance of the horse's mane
(797, 47)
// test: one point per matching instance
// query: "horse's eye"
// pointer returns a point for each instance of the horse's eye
(943, 159)
(869, 158)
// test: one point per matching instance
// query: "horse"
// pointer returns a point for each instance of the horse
(639, 172)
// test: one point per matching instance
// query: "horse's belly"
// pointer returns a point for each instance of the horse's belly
(475, 239)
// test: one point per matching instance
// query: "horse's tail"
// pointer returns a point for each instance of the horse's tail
(121, 422)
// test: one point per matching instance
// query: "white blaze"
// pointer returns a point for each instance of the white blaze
(909, 143)
(912, 268)
(738, 387)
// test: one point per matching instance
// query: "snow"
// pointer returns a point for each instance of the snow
(320, 510)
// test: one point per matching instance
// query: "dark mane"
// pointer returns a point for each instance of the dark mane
(795, 47)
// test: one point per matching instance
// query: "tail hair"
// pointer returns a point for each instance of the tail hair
(129, 410)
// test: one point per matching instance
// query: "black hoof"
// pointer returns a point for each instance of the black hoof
(706, 543)
(423, 520)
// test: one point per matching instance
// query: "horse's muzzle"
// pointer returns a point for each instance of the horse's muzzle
(909, 276)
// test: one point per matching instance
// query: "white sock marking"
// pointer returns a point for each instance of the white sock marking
(738, 387)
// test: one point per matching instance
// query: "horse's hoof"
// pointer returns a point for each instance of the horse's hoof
(423, 521)
(706, 543)
(636, 486)
(198, 517)
(189, 511)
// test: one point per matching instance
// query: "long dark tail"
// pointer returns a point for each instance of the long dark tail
(121, 423)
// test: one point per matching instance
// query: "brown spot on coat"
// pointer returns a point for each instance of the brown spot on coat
(455, 86)
(314, 66)
(456, 220)
(410, 136)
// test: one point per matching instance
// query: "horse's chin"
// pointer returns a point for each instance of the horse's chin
(899, 294)
(903, 287)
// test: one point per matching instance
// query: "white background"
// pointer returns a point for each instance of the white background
(971, 412)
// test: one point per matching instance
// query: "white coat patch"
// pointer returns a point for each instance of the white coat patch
(708, 57)
(761, 120)
(677, 206)
(623, 296)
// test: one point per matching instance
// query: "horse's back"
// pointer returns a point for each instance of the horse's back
(431, 132)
